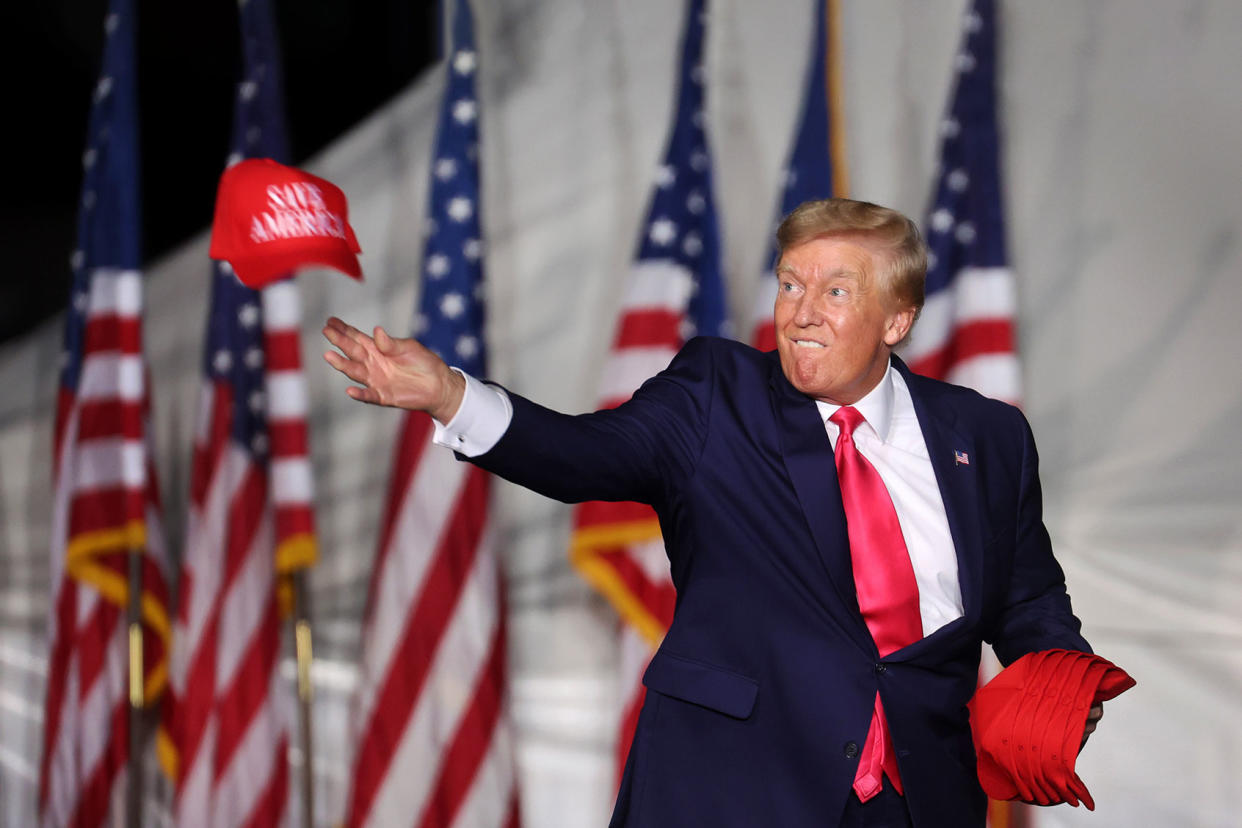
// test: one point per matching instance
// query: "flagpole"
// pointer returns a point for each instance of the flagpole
(133, 611)
(302, 649)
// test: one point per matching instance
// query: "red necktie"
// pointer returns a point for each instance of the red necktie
(884, 579)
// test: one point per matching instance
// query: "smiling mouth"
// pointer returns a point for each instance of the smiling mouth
(807, 343)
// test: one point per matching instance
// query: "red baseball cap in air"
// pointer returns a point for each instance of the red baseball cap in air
(272, 219)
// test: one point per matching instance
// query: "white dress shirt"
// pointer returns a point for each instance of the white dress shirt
(890, 439)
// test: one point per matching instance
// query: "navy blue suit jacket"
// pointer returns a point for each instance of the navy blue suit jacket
(760, 696)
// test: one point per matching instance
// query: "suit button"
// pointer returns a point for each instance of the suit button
(851, 750)
(881, 669)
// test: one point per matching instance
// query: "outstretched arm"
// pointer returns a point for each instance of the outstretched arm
(399, 373)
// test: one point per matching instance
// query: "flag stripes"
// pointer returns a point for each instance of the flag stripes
(815, 167)
(436, 571)
(104, 504)
(674, 291)
(966, 333)
(251, 520)
(429, 714)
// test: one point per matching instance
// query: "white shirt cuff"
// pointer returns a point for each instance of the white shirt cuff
(481, 420)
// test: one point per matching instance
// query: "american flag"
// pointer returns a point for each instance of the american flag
(966, 331)
(250, 520)
(105, 505)
(434, 746)
(814, 169)
(674, 291)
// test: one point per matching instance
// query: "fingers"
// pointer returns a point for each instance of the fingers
(1093, 716)
(383, 341)
(352, 342)
(356, 371)
(365, 395)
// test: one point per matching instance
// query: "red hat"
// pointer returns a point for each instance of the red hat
(1029, 721)
(272, 219)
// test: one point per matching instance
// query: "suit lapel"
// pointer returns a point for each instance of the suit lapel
(807, 453)
(955, 464)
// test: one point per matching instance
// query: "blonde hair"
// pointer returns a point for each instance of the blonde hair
(905, 276)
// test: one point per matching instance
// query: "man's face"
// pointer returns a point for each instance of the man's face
(834, 324)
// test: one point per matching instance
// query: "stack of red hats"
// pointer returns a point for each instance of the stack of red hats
(1028, 724)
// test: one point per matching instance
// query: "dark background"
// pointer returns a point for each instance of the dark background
(342, 59)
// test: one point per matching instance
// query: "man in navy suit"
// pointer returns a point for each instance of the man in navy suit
(765, 694)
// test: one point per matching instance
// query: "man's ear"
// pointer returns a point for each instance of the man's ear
(899, 323)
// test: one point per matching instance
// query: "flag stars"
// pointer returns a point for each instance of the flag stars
(254, 358)
(692, 245)
(698, 160)
(259, 443)
(437, 266)
(686, 328)
(246, 90)
(253, 134)
(103, 88)
(472, 250)
(965, 232)
(464, 62)
(662, 232)
(698, 118)
(445, 168)
(111, 22)
(972, 22)
(234, 158)
(464, 111)
(248, 315)
(88, 158)
(222, 361)
(932, 260)
(453, 305)
(958, 180)
(88, 199)
(256, 401)
(941, 220)
(467, 346)
(695, 202)
(964, 62)
(665, 176)
(949, 128)
(77, 259)
(80, 301)
(460, 209)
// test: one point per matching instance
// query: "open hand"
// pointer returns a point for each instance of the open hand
(399, 373)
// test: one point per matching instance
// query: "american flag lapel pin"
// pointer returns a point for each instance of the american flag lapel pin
(961, 458)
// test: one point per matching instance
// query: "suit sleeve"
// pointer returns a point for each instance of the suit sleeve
(640, 451)
(1036, 614)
